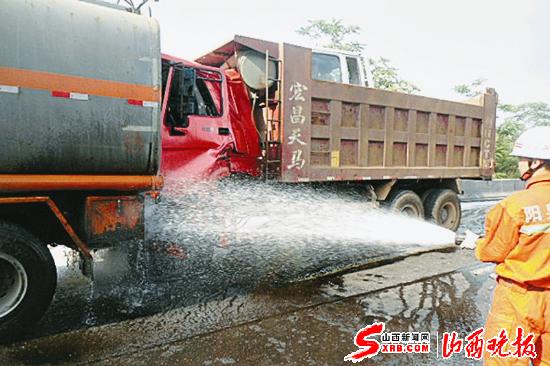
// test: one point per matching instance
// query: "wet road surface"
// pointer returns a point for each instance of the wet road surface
(215, 316)
(304, 324)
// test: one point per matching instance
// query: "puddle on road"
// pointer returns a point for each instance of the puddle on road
(456, 302)
(324, 335)
(220, 241)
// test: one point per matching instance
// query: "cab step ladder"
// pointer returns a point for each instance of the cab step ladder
(273, 118)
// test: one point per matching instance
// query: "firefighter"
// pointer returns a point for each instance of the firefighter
(517, 239)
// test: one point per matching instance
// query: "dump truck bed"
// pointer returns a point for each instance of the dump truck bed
(357, 133)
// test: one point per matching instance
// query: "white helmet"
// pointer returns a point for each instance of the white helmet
(534, 144)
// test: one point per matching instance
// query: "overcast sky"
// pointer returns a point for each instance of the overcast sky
(435, 44)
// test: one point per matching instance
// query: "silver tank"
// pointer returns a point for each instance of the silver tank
(92, 132)
(251, 65)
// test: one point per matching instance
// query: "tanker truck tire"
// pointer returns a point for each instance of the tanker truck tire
(28, 279)
(442, 207)
(406, 202)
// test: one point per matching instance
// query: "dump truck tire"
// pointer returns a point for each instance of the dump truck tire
(425, 195)
(406, 202)
(28, 279)
(442, 206)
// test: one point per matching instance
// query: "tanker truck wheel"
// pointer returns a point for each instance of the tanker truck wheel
(442, 206)
(28, 278)
(406, 202)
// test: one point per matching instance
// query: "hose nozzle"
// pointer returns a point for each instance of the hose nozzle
(467, 239)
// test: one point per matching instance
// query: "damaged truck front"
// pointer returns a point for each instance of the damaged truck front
(79, 113)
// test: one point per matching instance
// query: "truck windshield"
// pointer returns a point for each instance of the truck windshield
(326, 67)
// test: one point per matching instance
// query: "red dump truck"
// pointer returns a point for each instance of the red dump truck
(80, 113)
(311, 120)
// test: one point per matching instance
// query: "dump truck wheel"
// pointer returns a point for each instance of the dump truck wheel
(28, 279)
(425, 195)
(406, 202)
(442, 206)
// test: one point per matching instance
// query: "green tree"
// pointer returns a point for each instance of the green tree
(474, 89)
(334, 34)
(386, 77)
(507, 134)
(514, 119)
(529, 114)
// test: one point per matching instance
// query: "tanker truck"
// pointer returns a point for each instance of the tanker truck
(311, 120)
(80, 114)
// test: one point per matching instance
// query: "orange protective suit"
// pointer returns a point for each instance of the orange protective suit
(517, 238)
